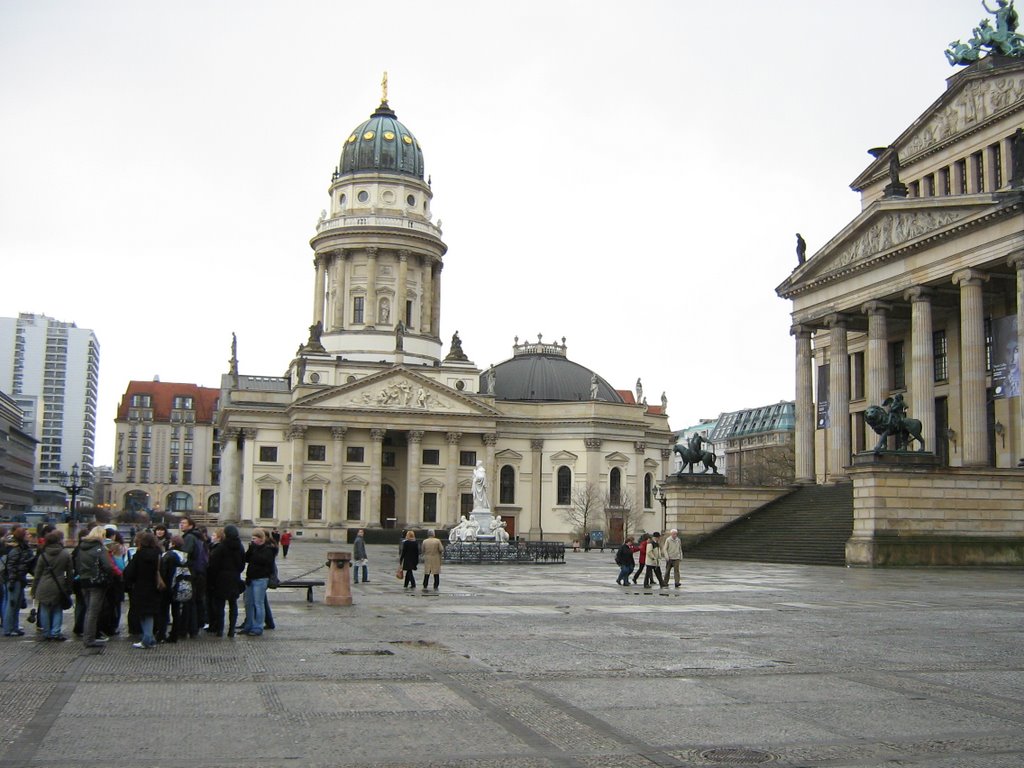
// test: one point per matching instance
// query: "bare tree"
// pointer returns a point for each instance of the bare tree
(586, 507)
(771, 466)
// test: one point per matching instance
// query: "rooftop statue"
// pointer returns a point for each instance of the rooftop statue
(891, 419)
(1002, 40)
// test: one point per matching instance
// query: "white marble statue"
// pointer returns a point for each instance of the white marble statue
(471, 530)
(500, 534)
(480, 487)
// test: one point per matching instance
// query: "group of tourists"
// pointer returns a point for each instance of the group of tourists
(652, 554)
(177, 585)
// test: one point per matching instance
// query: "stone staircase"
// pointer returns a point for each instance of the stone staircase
(808, 526)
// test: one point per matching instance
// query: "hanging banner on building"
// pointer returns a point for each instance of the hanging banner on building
(823, 395)
(1005, 358)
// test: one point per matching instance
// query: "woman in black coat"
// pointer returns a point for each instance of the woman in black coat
(223, 579)
(409, 557)
(142, 581)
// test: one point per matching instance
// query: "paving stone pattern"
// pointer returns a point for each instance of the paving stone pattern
(554, 667)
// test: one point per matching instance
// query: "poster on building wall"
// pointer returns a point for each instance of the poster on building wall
(1005, 358)
(822, 420)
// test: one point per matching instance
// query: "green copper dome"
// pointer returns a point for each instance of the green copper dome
(381, 145)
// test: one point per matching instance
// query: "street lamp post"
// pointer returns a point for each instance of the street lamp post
(74, 483)
(660, 496)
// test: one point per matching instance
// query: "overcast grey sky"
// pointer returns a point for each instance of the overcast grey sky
(627, 175)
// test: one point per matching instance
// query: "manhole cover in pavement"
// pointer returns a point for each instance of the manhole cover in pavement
(737, 756)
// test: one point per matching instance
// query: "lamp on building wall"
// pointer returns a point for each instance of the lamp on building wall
(659, 494)
(951, 436)
(74, 483)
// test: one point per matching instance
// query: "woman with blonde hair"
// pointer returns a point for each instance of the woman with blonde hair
(409, 557)
(260, 557)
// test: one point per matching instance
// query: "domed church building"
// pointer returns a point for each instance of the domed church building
(372, 425)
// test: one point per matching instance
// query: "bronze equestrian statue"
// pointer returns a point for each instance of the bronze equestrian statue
(693, 453)
(890, 419)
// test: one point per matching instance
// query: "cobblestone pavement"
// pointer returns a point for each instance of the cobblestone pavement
(552, 666)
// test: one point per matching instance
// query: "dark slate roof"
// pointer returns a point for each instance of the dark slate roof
(546, 377)
(381, 145)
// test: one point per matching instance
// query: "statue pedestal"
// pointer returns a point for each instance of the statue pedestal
(339, 589)
(483, 517)
(895, 190)
(696, 479)
(896, 459)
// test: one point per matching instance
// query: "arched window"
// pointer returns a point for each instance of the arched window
(179, 501)
(213, 504)
(507, 486)
(564, 486)
(648, 490)
(615, 487)
(136, 501)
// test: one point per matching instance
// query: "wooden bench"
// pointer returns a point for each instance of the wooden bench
(306, 584)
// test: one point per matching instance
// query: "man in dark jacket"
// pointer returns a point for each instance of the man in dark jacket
(624, 558)
(19, 563)
(194, 545)
(359, 557)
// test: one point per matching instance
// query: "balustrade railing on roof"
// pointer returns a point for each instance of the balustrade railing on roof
(400, 222)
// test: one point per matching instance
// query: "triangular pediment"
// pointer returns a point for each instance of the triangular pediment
(356, 480)
(316, 479)
(432, 483)
(883, 231)
(508, 455)
(650, 464)
(616, 457)
(268, 480)
(396, 389)
(976, 97)
(564, 457)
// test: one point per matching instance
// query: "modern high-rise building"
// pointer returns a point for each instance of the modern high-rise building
(51, 370)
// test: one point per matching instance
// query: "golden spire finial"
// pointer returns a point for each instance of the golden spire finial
(384, 89)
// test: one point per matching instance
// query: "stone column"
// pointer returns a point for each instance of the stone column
(877, 357)
(537, 487)
(666, 463)
(297, 434)
(318, 289)
(340, 289)
(370, 314)
(490, 440)
(335, 514)
(805, 420)
(413, 508)
(1017, 262)
(839, 397)
(593, 445)
(973, 423)
(373, 492)
(403, 290)
(452, 478)
(435, 293)
(426, 298)
(230, 504)
(247, 459)
(922, 362)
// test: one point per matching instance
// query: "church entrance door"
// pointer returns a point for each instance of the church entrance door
(387, 507)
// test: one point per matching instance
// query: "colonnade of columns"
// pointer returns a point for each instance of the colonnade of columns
(973, 429)
(334, 282)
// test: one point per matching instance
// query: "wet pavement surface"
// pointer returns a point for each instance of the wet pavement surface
(550, 666)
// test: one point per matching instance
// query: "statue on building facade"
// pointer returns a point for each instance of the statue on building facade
(593, 386)
(233, 362)
(693, 453)
(801, 249)
(890, 418)
(456, 352)
(400, 336)
(1001, 40)
(639, 391)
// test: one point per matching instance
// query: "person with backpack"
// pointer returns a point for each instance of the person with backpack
(51, 585)
(18, 564)
(176, 575)
(624, 559)
(94, 570)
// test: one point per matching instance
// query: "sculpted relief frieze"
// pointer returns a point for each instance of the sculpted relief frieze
(978, 101)
(891, 231)
(400, 394)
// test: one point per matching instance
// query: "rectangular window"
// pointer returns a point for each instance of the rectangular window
(142, 401)
(961, 174)
(928, 186)
(899, 371)
(431, 456)
(467, 458)
(387, 459)
(857, 376)
(266, 503)
(915, 189)
(979, 172)
(357, 310)
(188, 447)
(354, 454)
(268, 453)
(316, 453)
(354, 505)
(429, 507)
(182, 403)
(988, 345)
(944, 185)
(939, 353)
(408, 315)
(995, 154)
(466, 504)
(315, 504)
(174, 447)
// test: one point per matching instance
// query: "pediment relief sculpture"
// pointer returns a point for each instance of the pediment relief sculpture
(889, 231)
(401, 394)
(976, 103)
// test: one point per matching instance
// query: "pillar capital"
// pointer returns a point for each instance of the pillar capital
(918, 293)
(403, 254)
(801, 329)
(377, 435)
(639, 446)
(414, 436)
(297, 431)
(969, 277)
(592, 443)
(372, 251)
(453, 438)
(536, 445)
(489, 439)
(1016, 260)
(249, 433)
(338, 433)
(836, 320)
(875, 307)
